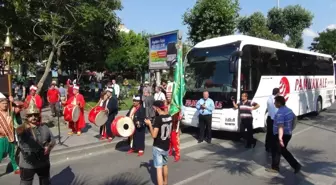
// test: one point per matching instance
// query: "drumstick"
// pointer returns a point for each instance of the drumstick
(91, 107)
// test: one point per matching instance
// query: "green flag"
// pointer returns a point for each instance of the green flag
(179, 84)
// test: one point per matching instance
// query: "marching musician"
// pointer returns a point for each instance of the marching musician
(137, 114)
(102, 103)
(77, 99)
(35, 142)
(111, 105)
(69, 89)
(7, 137)
(33, 97)
(174, 135)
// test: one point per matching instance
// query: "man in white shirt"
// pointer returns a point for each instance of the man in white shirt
(116, 88)
(272, 110)
(159, 95)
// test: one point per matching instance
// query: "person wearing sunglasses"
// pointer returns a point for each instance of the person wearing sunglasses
(35, 142)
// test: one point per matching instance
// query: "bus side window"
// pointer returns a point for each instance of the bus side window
(308, 66)
(250, 69)
(323, 66)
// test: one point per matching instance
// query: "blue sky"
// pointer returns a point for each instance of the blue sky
(157, 16)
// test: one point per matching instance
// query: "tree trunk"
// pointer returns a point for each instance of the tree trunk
(59, 62)
(46, 71)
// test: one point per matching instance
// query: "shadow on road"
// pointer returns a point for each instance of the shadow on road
(65, 177)
(151, 170)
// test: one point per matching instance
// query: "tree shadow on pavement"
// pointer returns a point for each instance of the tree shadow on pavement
(310, 166)
(123, 178)
(151, 170)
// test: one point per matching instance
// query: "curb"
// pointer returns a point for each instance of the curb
(77, 152)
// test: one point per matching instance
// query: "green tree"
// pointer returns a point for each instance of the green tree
(54, 24)
(211, 18)
(131, 53)
(256, 25)
(279, 24)
(325, 43)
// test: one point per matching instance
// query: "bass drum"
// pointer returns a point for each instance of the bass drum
(123, 126)
(71, 113)
(98, 116)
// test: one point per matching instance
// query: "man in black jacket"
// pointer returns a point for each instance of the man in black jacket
(112, 107)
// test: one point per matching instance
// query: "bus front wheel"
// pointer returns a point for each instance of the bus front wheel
(318, 106)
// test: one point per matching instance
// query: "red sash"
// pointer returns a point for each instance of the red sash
(9, 133)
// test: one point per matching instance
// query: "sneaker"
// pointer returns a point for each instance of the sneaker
(17, 172)
(140, 153)
(130, 151)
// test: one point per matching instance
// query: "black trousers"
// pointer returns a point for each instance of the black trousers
(204, 127)
(269, 134)
(278, 150)
(247, 124)
(27, 175)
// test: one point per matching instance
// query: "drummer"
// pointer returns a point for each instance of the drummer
(111, 104)
(137, 114)
(76, 99)
(102, 103)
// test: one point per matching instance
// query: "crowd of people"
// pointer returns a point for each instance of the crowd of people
(149, 112)
(32, 141)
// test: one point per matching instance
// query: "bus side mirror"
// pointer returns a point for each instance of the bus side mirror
(233, 66)
(234, 61)
(237, 54)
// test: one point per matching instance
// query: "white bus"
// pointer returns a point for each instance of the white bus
(220, 65)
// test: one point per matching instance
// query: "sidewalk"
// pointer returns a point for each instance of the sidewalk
(74, 147)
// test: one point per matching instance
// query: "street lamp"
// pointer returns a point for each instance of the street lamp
(278, 4)
(7, 58)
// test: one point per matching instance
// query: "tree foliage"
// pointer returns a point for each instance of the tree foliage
(131, 53)
(279, 24)
(211, 18)
(53, 25)
(325, 43)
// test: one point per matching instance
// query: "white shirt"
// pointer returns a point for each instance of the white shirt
(116, 89)
(159, 96)
(272, 110)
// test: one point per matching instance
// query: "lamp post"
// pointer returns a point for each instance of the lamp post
(7, 59)
(278, 4)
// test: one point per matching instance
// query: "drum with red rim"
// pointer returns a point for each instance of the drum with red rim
(71, 113)
(98, 116)
(122, 126)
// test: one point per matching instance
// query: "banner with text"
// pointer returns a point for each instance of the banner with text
(162, 50)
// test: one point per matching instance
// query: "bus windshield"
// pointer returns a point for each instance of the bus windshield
(208, 68)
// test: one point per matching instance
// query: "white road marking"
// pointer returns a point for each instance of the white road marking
(192, 178)
(303, 130)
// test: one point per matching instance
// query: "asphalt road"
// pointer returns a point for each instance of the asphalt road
(222, 162)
